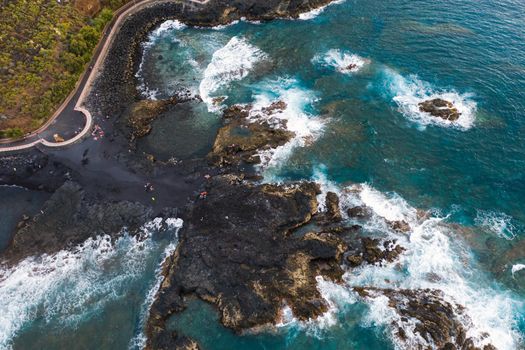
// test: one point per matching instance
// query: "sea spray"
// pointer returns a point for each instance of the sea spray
(342, 61)
(139, 340)
(432, 260)
(232, 62)
(316, 12)
(296, 117)
(72, 286)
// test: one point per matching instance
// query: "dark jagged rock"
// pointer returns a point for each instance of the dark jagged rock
(143, 113)
(360, 212)
(373, 251)
(400, 226)
(440, 108)
(333, 212)
(68, 218)
(441, 324)
(240, 139)
(236, 251)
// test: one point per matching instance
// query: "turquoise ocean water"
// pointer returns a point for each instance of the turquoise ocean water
(360, 133)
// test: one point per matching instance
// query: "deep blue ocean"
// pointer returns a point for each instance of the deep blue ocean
(352, 76)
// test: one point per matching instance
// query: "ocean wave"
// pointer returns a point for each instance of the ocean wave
(316, 12)
(408, 92)
(342, 61)
(166, 27)
(306, 127)
(73, 285)
(433, 259)
(232, 62)
(496, 222)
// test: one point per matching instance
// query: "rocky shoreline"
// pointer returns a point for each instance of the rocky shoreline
(248, 248)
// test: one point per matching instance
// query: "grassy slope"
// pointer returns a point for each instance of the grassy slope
(44, 47)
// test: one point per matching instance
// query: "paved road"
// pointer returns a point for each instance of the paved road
(72, 121)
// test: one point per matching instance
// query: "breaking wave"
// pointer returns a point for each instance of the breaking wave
(72, 286)
(433, 259)
(342, 61)
(408, 92)
(306, 127)
(232, 62)
(316, 12)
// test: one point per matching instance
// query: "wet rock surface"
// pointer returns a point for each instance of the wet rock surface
(440, 108)
(240, 139)
(238, 252)
(373, 251)
(439, 323)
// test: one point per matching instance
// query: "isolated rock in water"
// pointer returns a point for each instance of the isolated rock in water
(440, 324)
(440, 108)
(240, 250)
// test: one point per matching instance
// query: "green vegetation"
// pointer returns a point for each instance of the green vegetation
(11, 132)
(44, 48)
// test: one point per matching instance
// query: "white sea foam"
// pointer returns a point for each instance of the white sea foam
(434, 258)
(499, 223)
(408, 92)
(315, 12)
(342, 61)
(306, 127)
(336, 296)
(139, 340)
(165, 27)
(516, 268)
(72, 285)
(232, 62)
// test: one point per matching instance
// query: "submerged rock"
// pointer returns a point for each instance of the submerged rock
(239, 250)
(440, 108)
(437, 323)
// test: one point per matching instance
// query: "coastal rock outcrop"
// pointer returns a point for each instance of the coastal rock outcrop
(440, 108)
(439, 324)
(239, 250)
(143, 113)
(68, 218)
(241, 138)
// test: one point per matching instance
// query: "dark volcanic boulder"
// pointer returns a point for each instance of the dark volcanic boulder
(238, 250)
(439, 323)
(440, 108)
